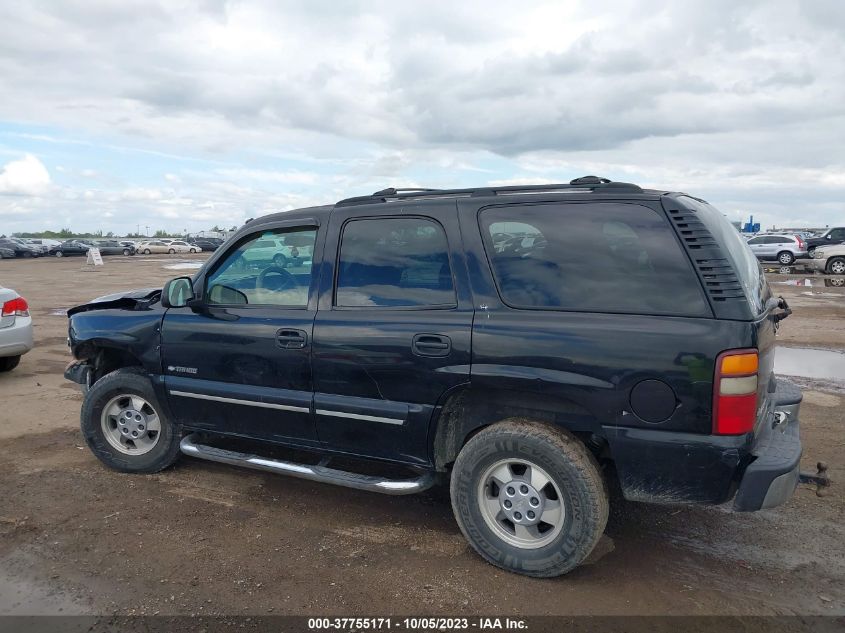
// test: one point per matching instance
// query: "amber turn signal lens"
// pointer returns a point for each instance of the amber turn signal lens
(739, 365)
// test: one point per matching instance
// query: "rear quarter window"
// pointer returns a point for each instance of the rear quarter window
(596, 257)
(744, 262)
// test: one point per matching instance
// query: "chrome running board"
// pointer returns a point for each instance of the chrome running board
(319, 472)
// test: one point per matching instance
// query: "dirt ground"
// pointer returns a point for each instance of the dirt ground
(202, 538)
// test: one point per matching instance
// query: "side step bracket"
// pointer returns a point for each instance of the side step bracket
(319, 472)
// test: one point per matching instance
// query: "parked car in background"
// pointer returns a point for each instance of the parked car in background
(114, 248)
(784, 249)
(205, 245)
(160, 246)
(181, 245)
(834, 235)
(6, 253)
(44, 248)
(70, 248)
(285, 250)
(21, 249)
(15, 329)
(829, 259)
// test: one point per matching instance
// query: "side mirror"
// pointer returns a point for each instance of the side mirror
(177, 292)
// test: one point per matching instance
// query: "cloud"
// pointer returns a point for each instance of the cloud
(245, 107)
(25, 176)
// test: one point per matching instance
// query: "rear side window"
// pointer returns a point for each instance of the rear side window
(394, 262)
(604, 257)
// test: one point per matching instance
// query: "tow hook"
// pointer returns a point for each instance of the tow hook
(821, 479)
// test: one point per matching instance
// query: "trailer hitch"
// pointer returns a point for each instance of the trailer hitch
(820, 479)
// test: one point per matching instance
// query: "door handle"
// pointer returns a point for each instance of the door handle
(291, 339)
(431, 345)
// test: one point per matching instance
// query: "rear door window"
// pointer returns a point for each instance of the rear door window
(602, 257)
(394, 262)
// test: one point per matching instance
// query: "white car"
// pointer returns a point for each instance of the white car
(181, 245)
(829, 259)
(274, 249)
(44, 244)
(15, 329)
(159, 246)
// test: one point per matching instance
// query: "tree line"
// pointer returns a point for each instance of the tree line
(67, 234)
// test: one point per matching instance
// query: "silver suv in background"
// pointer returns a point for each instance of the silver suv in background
(783, 248)
(15, 329)
(829, 259)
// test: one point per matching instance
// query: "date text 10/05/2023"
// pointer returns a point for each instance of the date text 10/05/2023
(416, 624)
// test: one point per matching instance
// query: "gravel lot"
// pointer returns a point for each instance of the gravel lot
(202, 538)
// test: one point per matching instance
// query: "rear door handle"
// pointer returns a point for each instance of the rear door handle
(431, 345)
(291, 339)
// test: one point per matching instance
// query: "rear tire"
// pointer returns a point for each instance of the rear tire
(8, 363)
(561, 519)
(109, 420)
(786, 258)
(836, 266)
(171, 251)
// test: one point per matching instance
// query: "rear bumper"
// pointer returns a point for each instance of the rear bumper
(771, 478)
(16, 339)
(759, 471)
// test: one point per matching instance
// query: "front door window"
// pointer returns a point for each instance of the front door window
(272, 268)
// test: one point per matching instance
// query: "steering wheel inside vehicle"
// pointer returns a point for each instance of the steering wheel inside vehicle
(287, 281)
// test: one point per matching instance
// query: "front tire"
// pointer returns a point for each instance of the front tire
(171, 251)
(786, 258)
(529, 497)
(8, 363)
(59, 254)
(146, 251)
(836, 266)
(193, 250)
(124, 425)
(126, 252)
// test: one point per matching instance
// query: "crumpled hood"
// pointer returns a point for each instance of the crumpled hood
(129, 300)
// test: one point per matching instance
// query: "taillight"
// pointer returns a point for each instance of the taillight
(800, 242)
(735, 392)
(16, 307)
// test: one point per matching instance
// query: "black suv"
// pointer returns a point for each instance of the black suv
(526, 344)
(835, 235)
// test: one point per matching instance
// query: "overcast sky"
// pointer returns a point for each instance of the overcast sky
(185, 114)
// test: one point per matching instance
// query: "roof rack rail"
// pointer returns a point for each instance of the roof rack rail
(392, 191)
(593, 183)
